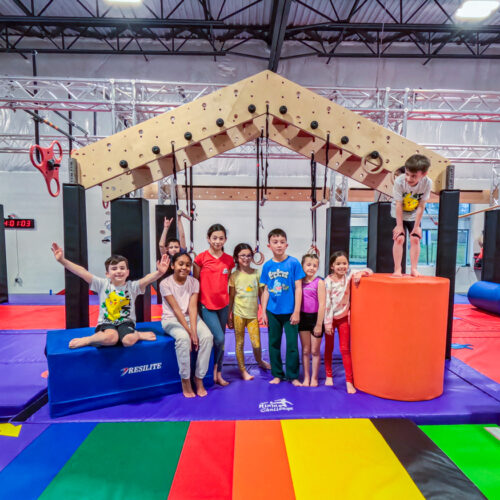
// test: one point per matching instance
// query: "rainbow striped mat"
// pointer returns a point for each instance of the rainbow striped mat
(302, 459)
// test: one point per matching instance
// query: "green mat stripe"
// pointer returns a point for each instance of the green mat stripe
(122, 460)
(474, 450)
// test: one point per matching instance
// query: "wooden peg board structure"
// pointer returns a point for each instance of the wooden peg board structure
(297, 118)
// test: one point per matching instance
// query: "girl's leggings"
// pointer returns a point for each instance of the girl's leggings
(342, 325)
(216, 321)
(252, 326)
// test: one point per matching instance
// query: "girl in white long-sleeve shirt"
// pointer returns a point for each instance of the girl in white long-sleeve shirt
(338, 303)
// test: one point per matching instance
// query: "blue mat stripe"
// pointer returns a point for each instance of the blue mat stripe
(27, 476)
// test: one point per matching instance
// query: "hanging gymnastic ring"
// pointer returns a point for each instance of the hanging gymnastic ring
(258, 260)
(373, 169)
(313, 249)
(192, 254)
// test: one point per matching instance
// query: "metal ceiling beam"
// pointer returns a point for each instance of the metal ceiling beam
(109, 22)
(281, 9)
(392, 27)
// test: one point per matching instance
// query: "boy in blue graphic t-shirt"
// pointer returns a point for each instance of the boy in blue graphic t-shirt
(282, 276)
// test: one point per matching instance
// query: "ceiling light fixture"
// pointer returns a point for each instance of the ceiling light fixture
(124, 2)
(476, 10)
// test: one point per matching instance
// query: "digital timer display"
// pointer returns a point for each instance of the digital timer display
(19, 223)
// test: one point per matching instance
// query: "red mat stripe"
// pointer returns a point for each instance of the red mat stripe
(205, 468)
(22, 317)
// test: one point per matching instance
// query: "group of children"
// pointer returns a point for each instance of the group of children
(225, 290)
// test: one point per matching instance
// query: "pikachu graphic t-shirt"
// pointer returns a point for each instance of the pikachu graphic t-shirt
(410, 196)
(116, 303)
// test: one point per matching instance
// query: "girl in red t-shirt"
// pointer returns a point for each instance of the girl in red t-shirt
(213, 268)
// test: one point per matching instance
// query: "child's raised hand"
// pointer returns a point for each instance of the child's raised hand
(162, 265)
(57, 251)
(167, 222)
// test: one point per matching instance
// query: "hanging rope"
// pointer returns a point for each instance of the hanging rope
(266, 167)
(258, 256)
(186, 189)
(314, 206)
(192, 215)
(174, 170)
(327, 159)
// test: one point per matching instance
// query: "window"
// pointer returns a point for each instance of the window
(358, 248)
(428, 247)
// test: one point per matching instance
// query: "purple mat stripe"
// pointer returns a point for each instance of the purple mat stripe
(22, 332)
(475, 378)
(22, 348)
(10, 447)
(461, 402)
(461, 299)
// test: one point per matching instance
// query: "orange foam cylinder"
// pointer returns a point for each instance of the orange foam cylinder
(398, 336)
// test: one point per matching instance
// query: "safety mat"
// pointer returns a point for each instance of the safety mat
(303, 459)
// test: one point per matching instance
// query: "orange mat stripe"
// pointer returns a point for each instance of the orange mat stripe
(261, 469)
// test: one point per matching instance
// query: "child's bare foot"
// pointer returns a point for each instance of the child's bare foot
(296, 383)
(246, 376)
(314, 382)
(329, 381)
(350, 388)
(187, 389)
(265, 365)
(415, 273)
(200, 388)
(146, 336)
(219, 380)
(79, 342)
(397, 274)
(306, 382)
(275, 380)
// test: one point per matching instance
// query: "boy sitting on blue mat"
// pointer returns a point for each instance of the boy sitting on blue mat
(117, 296)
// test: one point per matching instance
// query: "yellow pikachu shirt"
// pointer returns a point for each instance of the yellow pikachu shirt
(116, 303)
(246, 300)
(410, 196)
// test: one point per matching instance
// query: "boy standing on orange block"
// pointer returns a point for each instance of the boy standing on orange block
(411, 192)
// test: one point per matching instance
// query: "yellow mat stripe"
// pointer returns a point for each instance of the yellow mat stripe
(343, 458)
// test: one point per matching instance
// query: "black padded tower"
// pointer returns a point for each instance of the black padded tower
(446, 255)
(338, 232)
(130, 238)
(4, 283)
(170, 212)
(75, 250)
(491, 247)
(380, 242)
